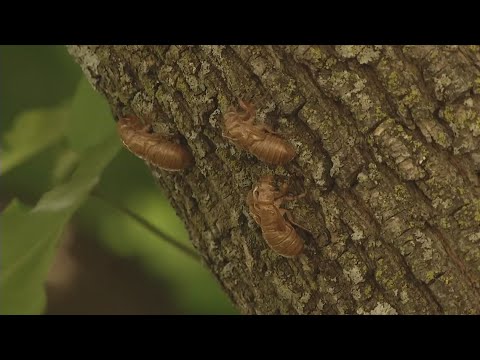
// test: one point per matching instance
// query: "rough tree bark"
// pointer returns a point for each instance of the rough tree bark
(388, 144)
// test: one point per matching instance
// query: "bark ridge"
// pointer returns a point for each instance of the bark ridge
(388, 151)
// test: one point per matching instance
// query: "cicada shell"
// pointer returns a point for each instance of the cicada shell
(258, 139)
(264, 203)
(153, 148)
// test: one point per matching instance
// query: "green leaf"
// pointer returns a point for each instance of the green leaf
(64, 166)
(32, 132)
(91, 119)
(34, 76)
(30, 236)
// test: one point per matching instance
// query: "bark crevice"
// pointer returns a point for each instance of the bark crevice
(388, 150)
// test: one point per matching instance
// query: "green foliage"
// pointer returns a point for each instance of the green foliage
(90, 118)
(57, 133)
(31, 133)
(34, 77)
(30, 235)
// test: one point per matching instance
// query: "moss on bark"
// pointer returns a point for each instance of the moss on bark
(388, 144)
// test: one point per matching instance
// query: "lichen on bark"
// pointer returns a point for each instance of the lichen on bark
(388, 151)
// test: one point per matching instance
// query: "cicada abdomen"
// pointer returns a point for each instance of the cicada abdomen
(257, 139)
(153, 148)
(264, 205)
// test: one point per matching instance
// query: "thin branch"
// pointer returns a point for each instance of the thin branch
(145, 223)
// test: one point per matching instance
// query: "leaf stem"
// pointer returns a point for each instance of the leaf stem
(145, 223)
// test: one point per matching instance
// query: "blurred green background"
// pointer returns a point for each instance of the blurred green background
(103, 262)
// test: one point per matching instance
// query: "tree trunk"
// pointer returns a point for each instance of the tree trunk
(388, 152)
